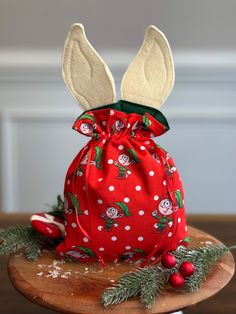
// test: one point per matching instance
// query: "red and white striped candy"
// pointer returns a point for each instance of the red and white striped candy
(48, 225)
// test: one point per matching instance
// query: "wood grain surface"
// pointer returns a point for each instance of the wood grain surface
(77, 287)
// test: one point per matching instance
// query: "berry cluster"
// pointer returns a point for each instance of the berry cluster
(186, 269)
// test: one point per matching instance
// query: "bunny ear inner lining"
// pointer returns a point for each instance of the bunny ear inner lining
(150, 76)
(84, 72)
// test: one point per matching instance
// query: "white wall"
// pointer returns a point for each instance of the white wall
(37, 112)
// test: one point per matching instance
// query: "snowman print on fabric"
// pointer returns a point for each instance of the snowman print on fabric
(165, 208)
(125, 159)
(112, 213)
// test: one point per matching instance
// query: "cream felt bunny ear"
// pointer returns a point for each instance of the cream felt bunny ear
(85, 73)
(150, 76)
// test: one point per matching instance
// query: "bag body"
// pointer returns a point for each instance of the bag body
(123, 194)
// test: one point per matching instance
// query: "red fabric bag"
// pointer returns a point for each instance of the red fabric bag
(123, 194)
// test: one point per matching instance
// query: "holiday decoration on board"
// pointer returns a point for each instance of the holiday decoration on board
(123, 196)
(30, 240)
(185, 268)
(122, 191)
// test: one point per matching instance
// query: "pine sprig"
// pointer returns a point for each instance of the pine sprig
(152, 287)
(203, 259)
(15, 238)
(149, 282)
(19, 237)
(132, 283)
(57, 210)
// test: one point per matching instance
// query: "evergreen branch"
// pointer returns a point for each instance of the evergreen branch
(151, 288)
(127, 286)
(15, 238)
(58, 209)
(203, 259)
(148, 281)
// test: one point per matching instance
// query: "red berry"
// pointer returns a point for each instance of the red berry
(176, 280)
(186, 269)
(168, 261)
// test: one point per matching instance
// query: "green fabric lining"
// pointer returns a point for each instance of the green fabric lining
(130, 107)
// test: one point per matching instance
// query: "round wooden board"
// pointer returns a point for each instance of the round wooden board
(77, 287)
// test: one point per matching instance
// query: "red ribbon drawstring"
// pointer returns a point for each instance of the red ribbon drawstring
(170, 188)
(90, 147)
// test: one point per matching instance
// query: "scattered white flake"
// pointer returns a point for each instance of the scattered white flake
(99, 201)
(153, 258)
(100, 228)
(179, 220)
(155, 225)
(147, 142)
(120, 147)
(111, 188)
(185, 228)
(170, 223)
(40, 273)
(110, 161)
(86, 212)
(152, 135)
(100, 179)
(73, 225)
(164, 182)
(140, 238)
(104, 141)
(169, 234)
(86, 272)
(138, 188)
(206, 242)
(101, 249)
(85, 239)
(156, 197)
(104, 123)
(141, 212)
(126, 200)
(112, 280)
(86, 268)
(84, 188)
(128, 247)
(71, 293)
(114, 238)
(127, 228)
(53, 273)
(151, 173)
(142, 147)
(116, 225)
(64, 276)
(18, 255)
(111, 112)
(128, 125)
(57, 268)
